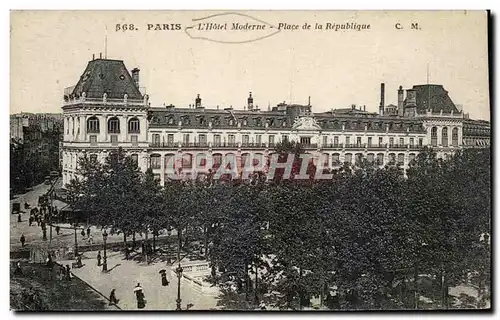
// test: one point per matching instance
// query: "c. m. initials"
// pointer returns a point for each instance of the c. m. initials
(414, 26)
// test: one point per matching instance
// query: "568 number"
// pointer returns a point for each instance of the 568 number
(125, 27)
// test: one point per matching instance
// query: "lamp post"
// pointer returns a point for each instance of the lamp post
(178, 271)
(76, 241)
(104, 260)
(54, 175)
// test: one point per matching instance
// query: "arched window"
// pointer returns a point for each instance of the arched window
(348, 158)
(401, 159)
(134, 126)
(258, 160)
(434, 136)
(93, 125)
(244, 159)
(326, 160)
(454, 137)
(392, 158)
(444, 137)
(201, 160)
(335, 159)
(135, 158)
(155, 161)
(170, 162)
(114, 125)
(217, 160)
(358, 158)
(411, 157)
(370, 157)
(380, 159)
(187, 161)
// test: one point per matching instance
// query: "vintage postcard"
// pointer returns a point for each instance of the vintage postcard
(250, 160)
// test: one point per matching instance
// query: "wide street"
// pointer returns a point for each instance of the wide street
(34, 235)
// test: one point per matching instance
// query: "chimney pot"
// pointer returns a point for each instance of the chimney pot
(100, 55)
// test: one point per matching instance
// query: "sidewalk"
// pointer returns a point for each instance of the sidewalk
(123, 275)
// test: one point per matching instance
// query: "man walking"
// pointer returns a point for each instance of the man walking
(23, 239)
(112, 298)
(58, 229)
(88, 232)
(99, 258)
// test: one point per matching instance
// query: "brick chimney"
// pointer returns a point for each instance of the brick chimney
(135, 76)
(382, 100)
(400, 101)
(250, 102)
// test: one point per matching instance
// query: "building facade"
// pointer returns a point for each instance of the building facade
(106, 110)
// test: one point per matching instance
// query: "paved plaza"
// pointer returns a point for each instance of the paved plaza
(123, 275)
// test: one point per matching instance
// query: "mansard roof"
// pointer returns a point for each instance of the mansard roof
(435, 97)
(106, 76)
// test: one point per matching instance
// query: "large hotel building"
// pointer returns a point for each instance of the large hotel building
(106, 110)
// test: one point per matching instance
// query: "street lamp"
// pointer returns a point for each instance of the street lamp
(178, 271)
(76, 241)
(54, 175)
(104, 260)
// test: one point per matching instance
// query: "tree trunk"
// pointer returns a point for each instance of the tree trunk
(146, 245)
(124, 239)
(133, 240)
(246, 283)
(154, 241)
(416, 289)
(206, 242)
(186, 240)
(256, 297)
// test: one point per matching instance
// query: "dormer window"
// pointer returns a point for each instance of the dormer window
(231, 122)
(122, 77)
(170, 120)
(244, 122)
(283, 123)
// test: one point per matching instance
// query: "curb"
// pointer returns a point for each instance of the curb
(94, 289)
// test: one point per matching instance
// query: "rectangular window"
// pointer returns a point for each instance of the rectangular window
(246, 139)
(232, 140)
(380, 141)
(271, 140)
(380, 159)
(133, 139)
(391, 142)
(156, 139)
(347, 141)
(325, 140)
(135, 159)
(258, 139)
(336, 158)
(358, 142)
(203, 139)
(170, 139)
(155, 162)
(401, 142)
(335, 141)
(369, 142)
(412, 142)
(114, 140)
(217, 140)
(284, 138)
(420, 142)
(401, 159)
(93, 141)
(185, 139)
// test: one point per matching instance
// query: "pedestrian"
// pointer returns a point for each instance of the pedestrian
(127, 253)
(88, 231)
(37, 220)
(26, 205)
(79, 261)
(164, 280)
(112, 298)
(98, 258)
(19, 218)
(83, 233)
(18, 270)
(143, 247)
(30, 220)
(23, 240)
(58, 229)
(90, 240)
(68, 273)
(139, 293)
(49, 261)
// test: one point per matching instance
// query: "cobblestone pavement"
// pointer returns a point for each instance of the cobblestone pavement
(123, 275)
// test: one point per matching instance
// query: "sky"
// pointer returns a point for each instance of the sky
(50, 50)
